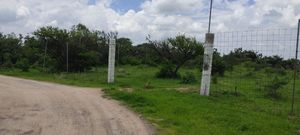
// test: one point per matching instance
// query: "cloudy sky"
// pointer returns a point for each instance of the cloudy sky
(138, 18)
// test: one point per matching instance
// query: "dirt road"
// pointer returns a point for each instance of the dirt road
(38, 108)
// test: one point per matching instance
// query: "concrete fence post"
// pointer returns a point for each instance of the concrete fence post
(207, 64)
(111, 60)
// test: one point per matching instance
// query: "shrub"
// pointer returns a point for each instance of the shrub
(272, 70)
(167, 72)
(23, 64)
(7, 64)
(272, 88)
(131, 61)
(188, 78)
(218, 65)
(281, 71)
(215, 79)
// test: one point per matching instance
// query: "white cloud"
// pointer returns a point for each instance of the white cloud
(172, 6)
(160, 18)
(22, 11)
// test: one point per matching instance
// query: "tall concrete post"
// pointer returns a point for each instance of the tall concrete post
(207, 64)
(111, 61)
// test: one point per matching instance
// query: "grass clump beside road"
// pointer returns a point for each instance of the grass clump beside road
(173, 107)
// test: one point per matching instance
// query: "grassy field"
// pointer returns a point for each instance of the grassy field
(236, 106)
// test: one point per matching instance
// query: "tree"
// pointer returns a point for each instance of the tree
(124, 50)
(146, 54)
(10, 49)
(218, 63)
(86, 49)
(32, 50)
(175, 52)
(54, 40)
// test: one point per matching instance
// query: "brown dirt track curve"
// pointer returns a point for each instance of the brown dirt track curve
(38, 108)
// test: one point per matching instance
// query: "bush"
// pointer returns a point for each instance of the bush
(131, 61)
(7, 64)
(215, 79)
(272, 70)
(281, 71)
(23, 64)
(272, 88)
(167, 72)
(188, 78)
(218, 65)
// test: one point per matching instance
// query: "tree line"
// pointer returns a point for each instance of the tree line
(51, 48)
(79, 49)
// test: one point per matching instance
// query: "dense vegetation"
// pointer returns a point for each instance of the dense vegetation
(47, 48)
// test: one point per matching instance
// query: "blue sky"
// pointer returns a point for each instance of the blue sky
(125, 5)
(122, 5)
(91, 2)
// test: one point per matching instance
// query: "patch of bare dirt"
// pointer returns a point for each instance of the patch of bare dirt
(38, 108)
(129, 90)
(185, 89)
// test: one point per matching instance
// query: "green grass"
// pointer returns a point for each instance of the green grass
(175, 108)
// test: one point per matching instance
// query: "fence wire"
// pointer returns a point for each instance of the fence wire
(270, 72)
(270, 42)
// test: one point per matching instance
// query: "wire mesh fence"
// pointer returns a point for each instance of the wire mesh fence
(269, 42)
(256, 60)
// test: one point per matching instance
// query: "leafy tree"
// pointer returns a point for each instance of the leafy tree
(177, 51)
(291, 64)
(10, 49)
(239, 55)
(273, 61)
(124, 50)
(33, 51)
(54, 41)
(86, 49)
(146, 54)
(218, 63)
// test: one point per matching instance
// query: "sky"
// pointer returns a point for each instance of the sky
(136, 19)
